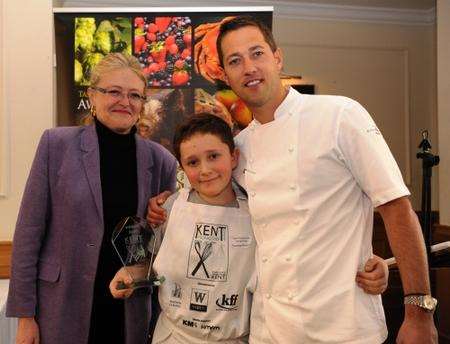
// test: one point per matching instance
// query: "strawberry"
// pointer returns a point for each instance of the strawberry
(139, 22)
(173, 49)
(151, 36)
(162, 23)
(154, 67)
(138, 43)
(170, 40)
(146, 71)
(179, 64)
(152, 28)
(162, 65)
(187, 38)
(180, 77)
(158, 51)
(186, 52)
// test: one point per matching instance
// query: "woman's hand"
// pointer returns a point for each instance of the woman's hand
(374, 278)
(27, 331)
(121, 276)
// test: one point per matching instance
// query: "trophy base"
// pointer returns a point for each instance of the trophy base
(141, 284)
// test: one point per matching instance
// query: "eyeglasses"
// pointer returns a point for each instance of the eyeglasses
(133, 97)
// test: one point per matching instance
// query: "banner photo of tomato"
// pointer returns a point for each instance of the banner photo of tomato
(177, 52)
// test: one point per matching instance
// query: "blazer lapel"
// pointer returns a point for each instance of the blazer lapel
(91, 164)
(144, 163)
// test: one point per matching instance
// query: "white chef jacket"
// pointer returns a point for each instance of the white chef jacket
(208, 260)
(314, 176)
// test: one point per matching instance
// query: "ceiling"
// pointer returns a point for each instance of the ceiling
(404, 12)
(403, 4)
(400, 4)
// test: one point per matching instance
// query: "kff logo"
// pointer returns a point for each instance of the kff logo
(228, 303)
(199, 300)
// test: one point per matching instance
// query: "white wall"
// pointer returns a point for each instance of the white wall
(28, 84)
(443, 82)
(389, 68)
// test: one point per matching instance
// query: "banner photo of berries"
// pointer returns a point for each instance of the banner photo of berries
(96, 38)
(163, 47)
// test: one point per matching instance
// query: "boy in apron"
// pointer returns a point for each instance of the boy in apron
(208, 253)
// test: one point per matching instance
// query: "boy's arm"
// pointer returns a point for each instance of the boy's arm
(374, 278)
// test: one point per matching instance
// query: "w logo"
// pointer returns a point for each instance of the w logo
(199, 300)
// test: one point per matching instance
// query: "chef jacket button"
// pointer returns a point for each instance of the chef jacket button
(290, 296)
(253, 193)
(288, 258)
(292, 187)
(263, 225)
(268, 296)
(250, 161)
(296, 222)
(264, 259)
(291, 149)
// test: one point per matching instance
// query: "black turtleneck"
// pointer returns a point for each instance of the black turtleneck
(118, 175)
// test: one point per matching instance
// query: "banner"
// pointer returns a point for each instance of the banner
(177, 51)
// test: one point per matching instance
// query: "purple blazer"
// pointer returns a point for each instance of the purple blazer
(59, 232)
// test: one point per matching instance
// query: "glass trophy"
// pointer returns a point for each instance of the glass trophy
(137, 244)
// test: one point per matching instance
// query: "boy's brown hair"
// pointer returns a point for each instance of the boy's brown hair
(203, 123)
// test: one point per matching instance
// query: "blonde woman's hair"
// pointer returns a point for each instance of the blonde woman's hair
(110, 63)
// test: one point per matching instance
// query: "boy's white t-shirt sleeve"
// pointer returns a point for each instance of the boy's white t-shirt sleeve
(364, 151)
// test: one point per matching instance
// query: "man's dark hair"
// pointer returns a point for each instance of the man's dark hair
(203, 123)
(240, 22)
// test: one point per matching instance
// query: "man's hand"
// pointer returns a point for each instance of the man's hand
(417, 328)
(156, 214)
(27, 331)
(121, 276)
(374, 279)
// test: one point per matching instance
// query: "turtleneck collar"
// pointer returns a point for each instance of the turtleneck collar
(107, 135)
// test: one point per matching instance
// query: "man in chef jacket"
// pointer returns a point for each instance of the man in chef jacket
(315, 167)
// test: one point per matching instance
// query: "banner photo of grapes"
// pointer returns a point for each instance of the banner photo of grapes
(178, 54)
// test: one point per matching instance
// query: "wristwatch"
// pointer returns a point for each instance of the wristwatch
(427, 302)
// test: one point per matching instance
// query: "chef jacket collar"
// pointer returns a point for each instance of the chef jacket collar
(287, 105)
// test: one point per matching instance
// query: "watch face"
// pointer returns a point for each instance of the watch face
(429, 302)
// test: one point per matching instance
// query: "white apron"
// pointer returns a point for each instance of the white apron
(208, 260)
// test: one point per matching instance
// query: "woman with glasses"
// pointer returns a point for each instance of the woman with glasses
(83, 181)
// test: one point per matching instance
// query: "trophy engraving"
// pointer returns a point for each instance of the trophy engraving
(137, 244)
